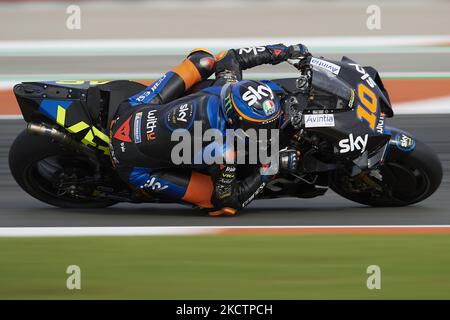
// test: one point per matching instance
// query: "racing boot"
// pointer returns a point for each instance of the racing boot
(223, 212)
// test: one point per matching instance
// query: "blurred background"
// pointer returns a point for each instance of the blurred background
(121, 36)
(142, 39)
(408, 41)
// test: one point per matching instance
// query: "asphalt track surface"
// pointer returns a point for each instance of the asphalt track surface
(174, 19)
(18, 209)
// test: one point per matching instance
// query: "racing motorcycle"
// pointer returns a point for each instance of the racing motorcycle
(335, 115)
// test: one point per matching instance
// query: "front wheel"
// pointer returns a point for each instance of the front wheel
(52, 174)
(405, 178)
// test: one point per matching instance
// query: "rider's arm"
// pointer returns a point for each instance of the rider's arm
(233, 61)
(197, 66)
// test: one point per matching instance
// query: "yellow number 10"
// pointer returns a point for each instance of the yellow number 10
(369, 108)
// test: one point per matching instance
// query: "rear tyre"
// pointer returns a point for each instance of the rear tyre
(36, 162)
(407, 178)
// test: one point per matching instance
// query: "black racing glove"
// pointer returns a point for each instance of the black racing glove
(297, 54)
(298, 51)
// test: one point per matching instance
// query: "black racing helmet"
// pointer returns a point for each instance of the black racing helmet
(250, 104)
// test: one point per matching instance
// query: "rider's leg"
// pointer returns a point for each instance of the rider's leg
(198, 66)
(178, 185)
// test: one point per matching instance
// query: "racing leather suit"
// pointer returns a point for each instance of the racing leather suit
(141, 145)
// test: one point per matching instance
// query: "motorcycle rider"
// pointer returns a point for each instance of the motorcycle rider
(141, 144)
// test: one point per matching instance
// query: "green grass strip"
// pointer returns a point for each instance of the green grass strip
(227, 267)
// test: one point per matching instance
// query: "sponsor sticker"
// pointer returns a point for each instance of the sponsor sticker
(351, 144)
(253, 95)
(156, 84)
(181, 116)
(405, 142)
(151, 124)
(253, 50)
(144, 95)
(137, 127)
(380, 125)
(319, 120)
(365, 76)
(154, 185)
(123, 133)
(258, 191)
(331, 67)
(113, 155)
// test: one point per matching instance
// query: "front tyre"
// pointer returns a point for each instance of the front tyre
(405, 178)
(40, 166)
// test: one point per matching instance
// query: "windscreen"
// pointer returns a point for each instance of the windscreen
(328, 82)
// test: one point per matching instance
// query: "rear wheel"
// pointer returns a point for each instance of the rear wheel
(53, 174)
(405, 178)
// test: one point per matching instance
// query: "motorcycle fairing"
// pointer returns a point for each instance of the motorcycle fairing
(65, 105)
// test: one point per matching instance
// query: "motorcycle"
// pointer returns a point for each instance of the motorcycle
(335, 115)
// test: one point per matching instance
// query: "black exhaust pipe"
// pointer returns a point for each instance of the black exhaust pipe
(55, 134)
